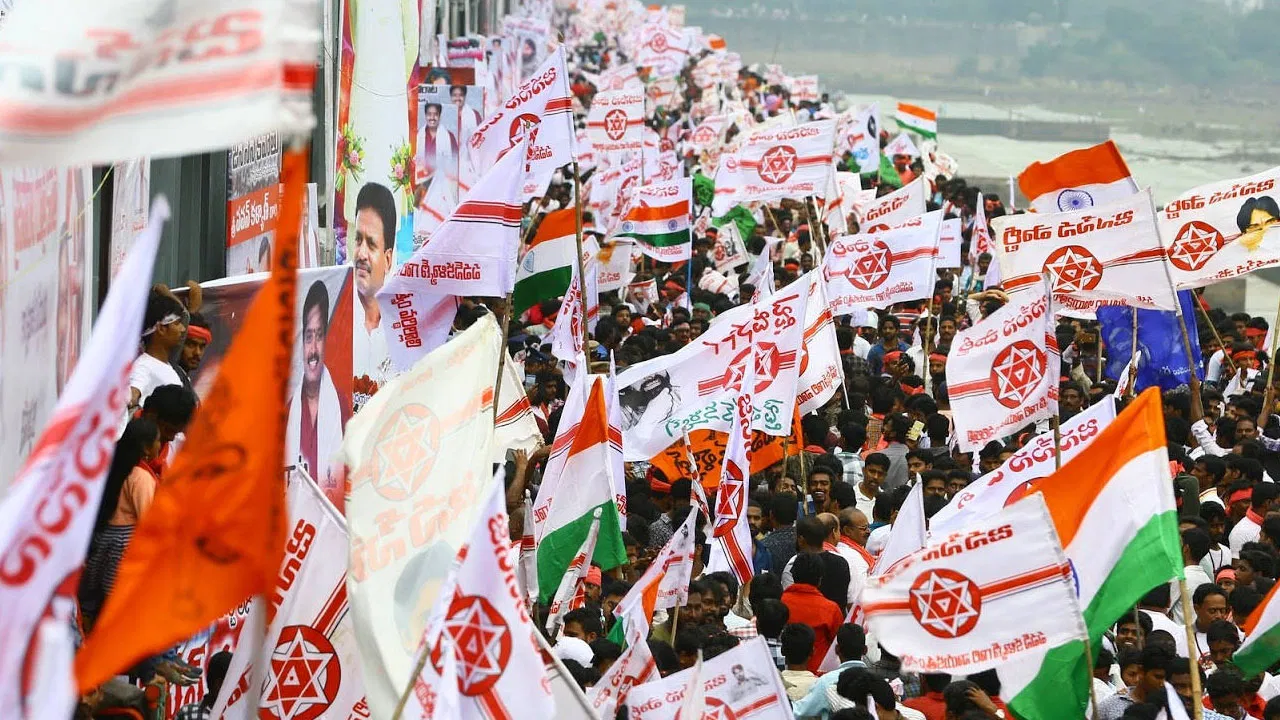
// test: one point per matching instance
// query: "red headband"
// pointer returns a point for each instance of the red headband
(199, 333)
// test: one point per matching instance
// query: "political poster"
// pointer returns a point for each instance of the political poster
(253, 204)
(130, 206)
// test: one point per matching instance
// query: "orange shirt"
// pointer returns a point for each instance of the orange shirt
(135, 497)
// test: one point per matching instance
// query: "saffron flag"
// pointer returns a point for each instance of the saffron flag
(1115, 514)
(66, 469)
(919, 120)
(883, 268)
(541, 112)
(471, 253)
(1078, 180)
(664, 585)
(1162, 359)
(1106, 255)
(419, 458)
(1008, 483)
(986, 597)
(894, 209)
(658, 220)
(584, 486)
(308, 662)
(615, 120)
(547, 266)
(692, 388)
(1222, 230)
(481, 615)
(1003, 372)
(102, 82)
(216, 528)
(742, 682)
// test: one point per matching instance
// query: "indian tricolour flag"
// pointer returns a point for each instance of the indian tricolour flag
(1078, 180)
(1115, 514)
(547, 266)
(658, 220)
(921, 121)
(1261, 648)
(583, 487)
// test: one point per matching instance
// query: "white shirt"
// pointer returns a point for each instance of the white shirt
(1160, 621)
(1245, 531)
(878, 538)
(369, 354)
(148, 373)
(864, 502)
(858, 570)
(1218, 557)
(860, 346)
(1196, 576)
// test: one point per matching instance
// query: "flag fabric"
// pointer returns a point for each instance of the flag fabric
(614, 258)
(729, 251)
(888, 174)
(921, 121)
(566, 334)
(908, 534)
(882, 268)
(982, 598)
(739, 216)
(901, 145)
(1106, 255)
(104, 83)
(1162, 360)
(821, 369)
(761, 276)
(547, 266)
(611, 191)
(894, 209)
(216, 527)
(708, 133)
(663, 49)
(742, 682)
(527, 560)
(635, 666)
(541, 111)
(701, 453)
(514, 427)
(949, 245)
(658, 220)
(570, 502)
(1222, 230)
(730, 540)
(617, 78)
(571, 593)
(804, 88)
(1008, 483)
(1078, 180)
(663, 586)
(482, 617)
(980, 236)
(861, 137)
(778, 162)
(1261, 647)
(472, 253)
(411, 503)
(308, 664)
(615, 120)
(1003, 372)
(691, 389)
(1115, 514)
(39, 557)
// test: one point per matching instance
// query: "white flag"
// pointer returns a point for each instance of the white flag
(821, 370)
(1104, 255)
(664, 585)
(731, 535)
(419, 461)
(634, 667)
(861, 136)
(708, 133)
(1003, 372)
(615, 120)
(309, 663)
(615, 270)
(571, 593)
(500, 672)
(994, 594)
(742, 682)
(880, 269)
(567, 333)
(663, 49)
(1222, 230)
(89, 82)
(542, 110)
(39, 548)
(908, 534)
(776, 163)
(729, 251)
(1008, 483)
(949, 242)
(894, 209)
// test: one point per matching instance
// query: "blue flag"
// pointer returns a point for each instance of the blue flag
(1162, 361)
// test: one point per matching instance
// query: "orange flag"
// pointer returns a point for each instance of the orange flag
(215, 532)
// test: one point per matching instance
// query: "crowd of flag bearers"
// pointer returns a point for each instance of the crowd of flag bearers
(709, 400)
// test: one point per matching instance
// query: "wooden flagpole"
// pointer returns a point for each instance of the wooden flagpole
(1133, 357)
(1226, 352)
(1268, 396)
(1187, 615)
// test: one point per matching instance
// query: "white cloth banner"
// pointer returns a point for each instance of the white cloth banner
(776, 163)
(729, 250)
(634, 667)
(615, 269)
(980, 598)
(860, 135)
(950, 239)
(694, 388)
(663, 49)
(901, 145)
(1034, 461)
(821, 371)
(1104, 255)
(1222, 230)
(106, 82)
(740, 683)
(65, 470)
(880, 269)
(894, 209)
(309, 662)
(1003, 372)
(615, 120)
(663, 586)
(708, 133)
(130, 200)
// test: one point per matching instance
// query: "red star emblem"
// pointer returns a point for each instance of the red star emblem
(1195, 243)
(945, 603)
(1016, 372)
(769, 362)
(1073, 269)
(481, 640)
(715, 709)
(520, 123)
(1023, 490)
(615, 124)
(729, 500)
(872, 267)
(405, 451)
(304, 678)
(665, 145)
(658, 43)
(778, 164)
(705, 135)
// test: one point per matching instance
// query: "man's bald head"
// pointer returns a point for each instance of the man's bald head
(832, 523)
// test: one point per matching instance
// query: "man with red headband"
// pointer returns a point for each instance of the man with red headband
(193, 346)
